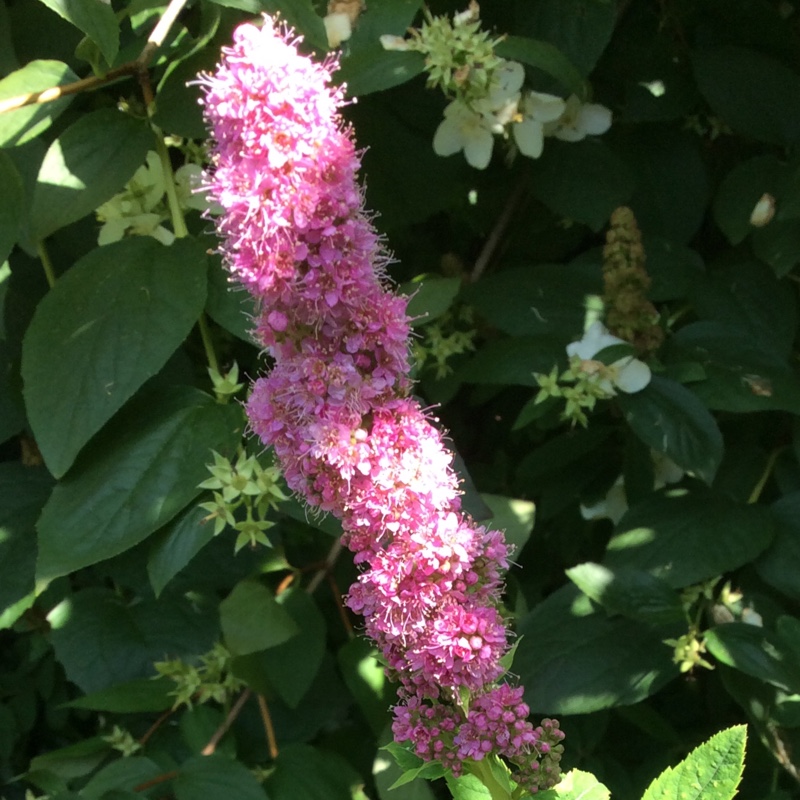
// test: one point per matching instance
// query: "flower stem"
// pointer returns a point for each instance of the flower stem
(765, 475)
(47, 264)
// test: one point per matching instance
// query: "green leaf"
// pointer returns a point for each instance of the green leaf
(101, 641)
(537, 299)
(670, 419)
(85, 166)
(134, 478)
(228, 304)
(95, 18)
(578, 785)
(289, 666)
(688, 537)
(741, 189)
(216, 777)
(110, 323)
(388, 774)
(137, 695)
(11, 205)
(175, 546)
(779, 564)
(366, 679)
(429, 297)
(252, 619)
(120, 775)
(741, 374)
(778, 244)
(23, 492)
(513, 516)
(711, 771)
(513, 361)
(755, 94)
(23, 124)
(547, 58)
(574, 660)
(73, 761)
(582, 181)
(629, 592)
(308, 773)
(755, 651)
(468, 787)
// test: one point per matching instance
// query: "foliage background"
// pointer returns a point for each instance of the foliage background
(108, 416)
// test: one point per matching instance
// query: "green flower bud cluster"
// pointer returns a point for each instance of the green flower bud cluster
(578, 386)
(211, 679)
(459, 56)
(442, 340)
(243, 487)
(227, 385)
(122, 740)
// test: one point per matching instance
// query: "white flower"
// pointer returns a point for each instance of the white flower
(338, 28)
(536, 110)
(579, 120)
(627, 374)
(763, 211)
(503, 97)
(390, 42)
(467, 130)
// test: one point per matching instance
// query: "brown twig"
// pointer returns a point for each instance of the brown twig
(155, 726)
(330, 560)
(165, 776)
(229, 720)
(135, 67)
(269, 730)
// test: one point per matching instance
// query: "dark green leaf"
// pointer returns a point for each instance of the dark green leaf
(575, 660)
(101, 641)
(670, 419)
(307, 773)
(174, 547)
(121, 775)
(134, 478)
(11, 205)
(252, 619)
(88, 163)
(140, 694)
(75, 760)
(513, 361)
(23, 492)
(688, 537)
(367, 682)
(754, 651)
(547, 58)
(374, 69)
(755, 94)
(107, 326)
(513, 516)
(711, 771)
(672, 268)
(216, 777)
(779, 564)
(228, 304)
(95, 18)
(430, 298)
(629, 592)
(17, 127)
(582, 181)
(778, 244)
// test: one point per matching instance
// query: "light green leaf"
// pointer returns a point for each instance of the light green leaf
(468, 787)
(23, 124)
(670, 419)
(688, 537)
(252, 619)
(711, 771)
(134, 478)
(577, 785)
(110, 323)
(513, 516)
(366, 679)
(85, 166)
(95, 18)
(216, 777)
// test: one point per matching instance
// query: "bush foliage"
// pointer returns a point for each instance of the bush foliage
(171, 619)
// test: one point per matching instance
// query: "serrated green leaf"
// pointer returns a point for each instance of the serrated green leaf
(140, 694)
(107, 326)
(753, 93)
(95, 18)
(252, 619)
(468, 787)
(670, 419)
(577, 785)
(23, 124)
(711, 771)
(632, 593)
(216, 777)
(574, 659)
(101, 641)
(174, 547)
(688, 537)
(86, 165)
(134, 478)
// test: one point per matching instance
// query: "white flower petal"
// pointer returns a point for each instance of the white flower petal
(595, 338)
(447, 140)
(633, 375)
(594, 119)
(612, 507)
(543, 107)
(529, 136)
(337, 28)
(478, 148)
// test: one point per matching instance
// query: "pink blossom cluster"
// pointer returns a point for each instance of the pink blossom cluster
(336, 405)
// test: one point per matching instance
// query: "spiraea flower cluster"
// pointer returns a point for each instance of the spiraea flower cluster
(337, 408)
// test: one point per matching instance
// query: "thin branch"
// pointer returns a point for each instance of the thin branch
(269, 730)
(330, 560)
(165, 776)
(155, 726)
(229, 720)
(136, 67)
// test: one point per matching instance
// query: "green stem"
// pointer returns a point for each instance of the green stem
(47, 264)
(765, 475)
